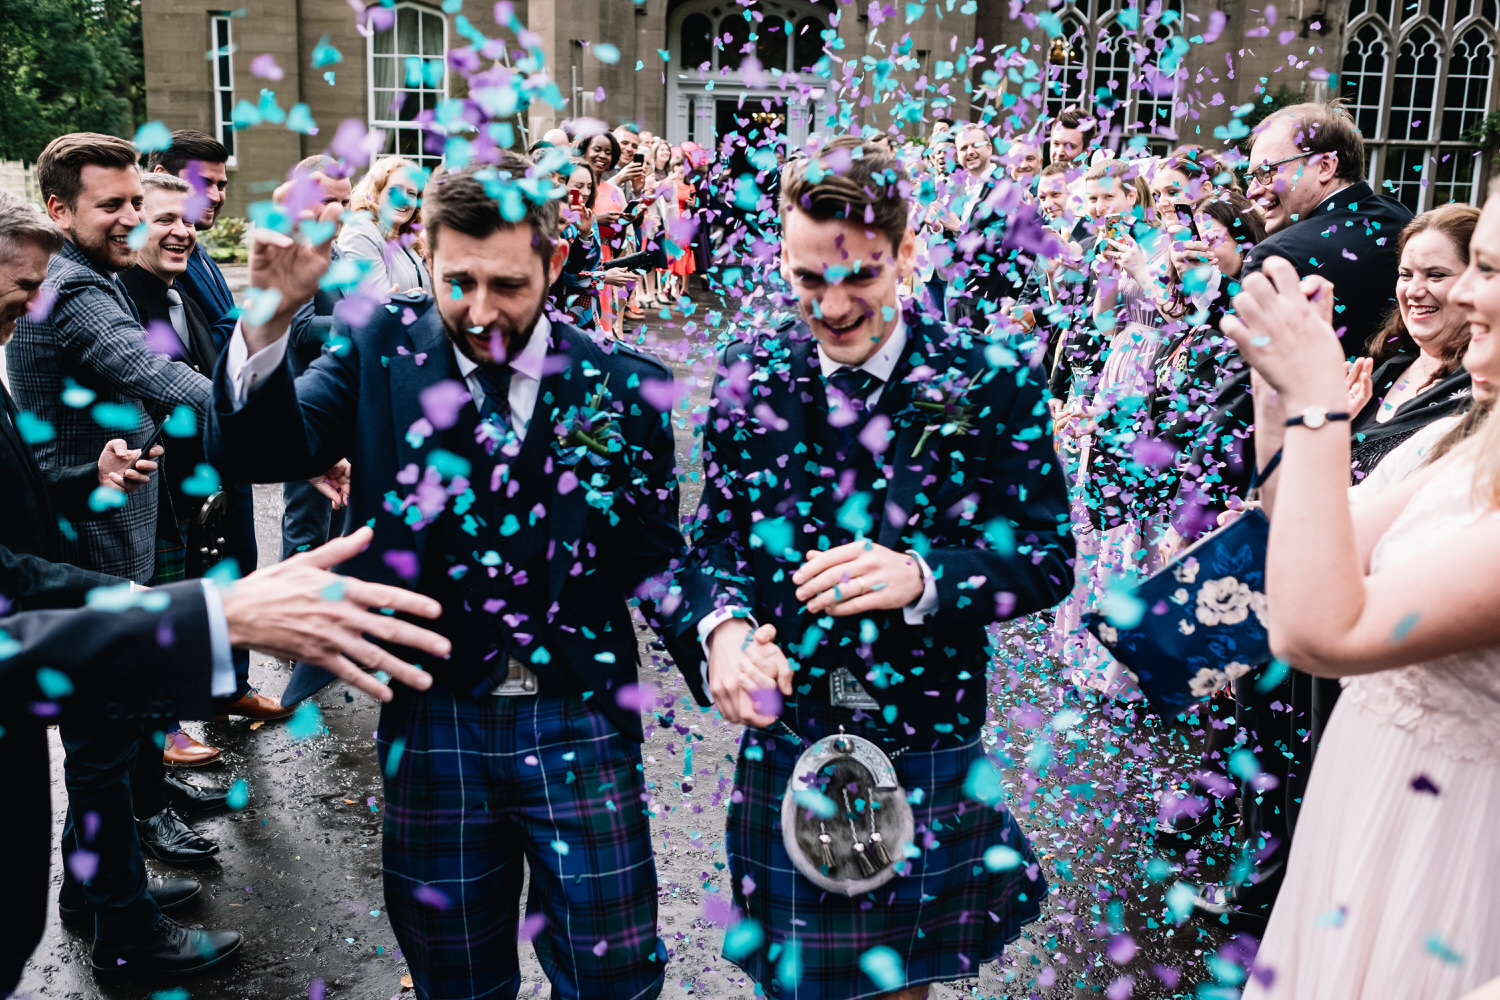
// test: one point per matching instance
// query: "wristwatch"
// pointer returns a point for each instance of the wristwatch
(1314, 417)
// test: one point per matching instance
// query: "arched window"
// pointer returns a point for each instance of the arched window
(734, 35)
(1470, 69)
(771, 49)
(807, 44)
(1363, 78)
(697, 45)
(408, 75)
(1417, 63)
(1067, 65)
(1112, 68)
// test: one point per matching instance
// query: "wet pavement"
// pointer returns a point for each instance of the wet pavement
(299, 869)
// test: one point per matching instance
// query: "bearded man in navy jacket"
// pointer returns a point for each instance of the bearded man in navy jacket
(521, 474)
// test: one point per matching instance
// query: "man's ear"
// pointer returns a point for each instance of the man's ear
(60, 212)
(555, 264)
(906, 255)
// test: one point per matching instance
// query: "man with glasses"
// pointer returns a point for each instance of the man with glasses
(1307, 167)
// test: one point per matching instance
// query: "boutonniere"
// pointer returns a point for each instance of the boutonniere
(590, 433)
(939, 405)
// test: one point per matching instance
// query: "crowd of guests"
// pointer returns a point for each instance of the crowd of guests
(1190, 333)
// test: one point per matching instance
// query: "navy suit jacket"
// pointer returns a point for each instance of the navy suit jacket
(987, 510)
(204, 283)
(364, 401)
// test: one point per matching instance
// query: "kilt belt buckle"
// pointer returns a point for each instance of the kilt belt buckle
(845, 691)
(518, 683)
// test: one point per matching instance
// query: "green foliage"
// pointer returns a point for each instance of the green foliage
(1268, 104)
(68, 66)
(226, 241)
(1486, 135)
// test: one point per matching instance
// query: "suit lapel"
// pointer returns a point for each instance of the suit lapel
(910, 471)
(428, 361)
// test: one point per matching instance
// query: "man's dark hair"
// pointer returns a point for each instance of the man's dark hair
(849, 178)
(468, 201)
(1055, 169)
(59, 170)
(187, 144)
(941, 120)
(1079, 118)
(1324, 128)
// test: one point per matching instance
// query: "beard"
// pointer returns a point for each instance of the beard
(512, 341)
(104, 255)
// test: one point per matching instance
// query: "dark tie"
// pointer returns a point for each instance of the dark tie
(855, 386)
(495, 406)
(178, 315)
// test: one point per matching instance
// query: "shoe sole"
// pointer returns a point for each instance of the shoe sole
(171, 860)
(128, 971)
(193, 763)
(73, 914)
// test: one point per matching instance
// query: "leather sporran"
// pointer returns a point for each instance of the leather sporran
(845, 820)
(205, 536)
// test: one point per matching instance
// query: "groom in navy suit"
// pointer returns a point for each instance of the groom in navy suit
(877, 492)
(521, 474)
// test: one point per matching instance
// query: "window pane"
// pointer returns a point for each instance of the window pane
(432, 35)
(1438, 9)
(385, 42)
(771, 42)
(1415, 86)
(406, 29)
(734, 35)
(1363, 79)
(697, 45)
(1112, 69)
(1386, 9)
(1468, 93)
(1403, 175)
(1491, 11)
(1457, 171)
(1067, 72)
(807, 44)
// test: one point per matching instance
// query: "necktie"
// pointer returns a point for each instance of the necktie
(177, 314)
(494, 408)
(850, 413)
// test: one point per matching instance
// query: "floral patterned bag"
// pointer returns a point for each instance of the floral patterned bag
(1197, 622)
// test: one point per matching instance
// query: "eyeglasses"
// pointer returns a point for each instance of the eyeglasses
(1266, 172)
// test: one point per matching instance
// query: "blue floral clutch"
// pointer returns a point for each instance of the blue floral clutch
(1202, 617)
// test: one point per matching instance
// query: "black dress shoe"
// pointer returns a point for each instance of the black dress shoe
(169, 893)
(167, 837)
(170, 949)
(191, 798)
(1228, 909)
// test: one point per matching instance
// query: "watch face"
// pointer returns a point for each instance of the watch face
(1314, 417)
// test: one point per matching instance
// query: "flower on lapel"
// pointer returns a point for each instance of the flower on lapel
(938, 404)
(1225, 601)
(589, 433)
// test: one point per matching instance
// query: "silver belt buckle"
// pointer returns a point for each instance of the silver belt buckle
(518, 683)
(845, 691)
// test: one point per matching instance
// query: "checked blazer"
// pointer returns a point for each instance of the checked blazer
(987, 509)
(88, 371)
(608, 541)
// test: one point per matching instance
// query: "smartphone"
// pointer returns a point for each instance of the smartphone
(575, 197)
(1117, 228)
(1185, 217)
(152, 442)
(638, 158)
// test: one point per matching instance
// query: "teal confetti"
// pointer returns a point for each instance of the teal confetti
(324, 54)
(153, 137)
(884, 968)
(54, 684)
(239, 794)
(306, 722)
(606, 53)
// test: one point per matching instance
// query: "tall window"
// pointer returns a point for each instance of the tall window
(1419, 75)
(408, 76)
(219, 32)
(1115, 56)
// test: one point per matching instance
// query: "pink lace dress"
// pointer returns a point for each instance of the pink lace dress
(1393, 886)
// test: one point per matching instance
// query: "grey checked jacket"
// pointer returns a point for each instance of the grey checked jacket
(92, 341)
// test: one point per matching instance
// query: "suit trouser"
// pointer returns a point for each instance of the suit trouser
(99, 842)
(308, 520)
(1285, 740)
(23, 754)
(479, 790)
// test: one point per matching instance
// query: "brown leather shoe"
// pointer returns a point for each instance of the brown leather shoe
(255, 705)
(184, 751)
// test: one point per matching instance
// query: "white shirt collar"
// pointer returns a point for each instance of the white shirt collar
(530, 362)
(881, 364)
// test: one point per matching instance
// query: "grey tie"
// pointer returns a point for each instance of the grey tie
(178, 315)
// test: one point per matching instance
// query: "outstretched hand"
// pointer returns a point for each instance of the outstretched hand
(291, 267)
(301, 610)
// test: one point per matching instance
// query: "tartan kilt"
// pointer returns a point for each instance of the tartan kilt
(943, 916)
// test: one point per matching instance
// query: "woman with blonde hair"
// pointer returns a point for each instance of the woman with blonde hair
(385, 227)
(1391, 885)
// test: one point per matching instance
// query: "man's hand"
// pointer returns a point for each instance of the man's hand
(122, 466)
(300, 610)
(291, 267)
(334, 484)
(857, 578)
(743, 667)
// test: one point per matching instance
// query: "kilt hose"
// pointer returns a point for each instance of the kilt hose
(943, 915)
(473, 788)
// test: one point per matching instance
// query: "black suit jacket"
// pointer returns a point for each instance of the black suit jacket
(313, 324)
(364, 401)
(1350, 239)
(987, 509)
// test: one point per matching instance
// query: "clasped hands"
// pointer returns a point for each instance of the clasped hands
(745, 664)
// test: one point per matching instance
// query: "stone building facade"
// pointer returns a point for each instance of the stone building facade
(676, 67)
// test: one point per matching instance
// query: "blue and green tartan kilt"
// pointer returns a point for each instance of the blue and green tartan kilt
(944, 914)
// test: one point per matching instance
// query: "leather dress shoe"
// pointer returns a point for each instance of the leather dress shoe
(191, 798)
(254, 705)
(168, 837)
(168, 949)
(169, 893)
(1225, 907)
(184, 751)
